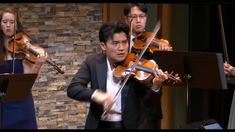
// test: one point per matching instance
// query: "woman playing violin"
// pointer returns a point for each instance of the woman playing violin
(136, 17)
(16, 114)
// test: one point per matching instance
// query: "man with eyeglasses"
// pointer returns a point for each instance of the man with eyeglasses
(136, 17)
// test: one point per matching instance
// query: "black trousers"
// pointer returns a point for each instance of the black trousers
(111, 125)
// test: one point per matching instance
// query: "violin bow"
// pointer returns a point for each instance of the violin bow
(156, 29)
(222, 33)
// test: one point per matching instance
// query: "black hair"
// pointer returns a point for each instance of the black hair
(107, 30)
(141, 6)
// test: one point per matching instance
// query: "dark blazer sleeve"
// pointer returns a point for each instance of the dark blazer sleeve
(149, 97)
(151, 110)
(77, 88)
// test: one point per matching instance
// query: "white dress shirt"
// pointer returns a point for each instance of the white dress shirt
(112, 86)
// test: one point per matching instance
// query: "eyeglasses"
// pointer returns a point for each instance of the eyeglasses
(141, 16)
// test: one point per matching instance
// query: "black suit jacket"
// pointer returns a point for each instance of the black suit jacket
(134, 94)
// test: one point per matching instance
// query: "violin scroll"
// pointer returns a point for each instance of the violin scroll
(175, 79)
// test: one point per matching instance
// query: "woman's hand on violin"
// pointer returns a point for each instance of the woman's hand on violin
(40, 60)
(159, 78)
(42, 56)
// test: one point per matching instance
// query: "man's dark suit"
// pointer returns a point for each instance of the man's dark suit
(134, 95)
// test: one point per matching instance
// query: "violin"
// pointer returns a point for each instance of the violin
(23, 49)
(156, 44)
(144, 71)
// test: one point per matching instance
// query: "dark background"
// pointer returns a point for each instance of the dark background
(205, 36)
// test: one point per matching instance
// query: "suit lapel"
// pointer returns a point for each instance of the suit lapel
(124, 95)
(101, 71)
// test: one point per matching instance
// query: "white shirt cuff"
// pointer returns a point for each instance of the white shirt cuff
(155, 89)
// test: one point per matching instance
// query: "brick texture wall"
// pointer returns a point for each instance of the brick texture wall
(68, 32)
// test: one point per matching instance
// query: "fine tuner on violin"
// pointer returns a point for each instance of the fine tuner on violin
(143, 71)
(156, 44)
(23, 49)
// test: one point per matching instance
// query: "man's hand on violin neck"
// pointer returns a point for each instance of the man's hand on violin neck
(164, 44)
(160, 77)
(166, 48)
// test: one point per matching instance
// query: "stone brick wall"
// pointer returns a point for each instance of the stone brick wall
(68, 32)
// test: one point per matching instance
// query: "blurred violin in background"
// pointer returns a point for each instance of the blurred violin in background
(23, 49)
(156, 45)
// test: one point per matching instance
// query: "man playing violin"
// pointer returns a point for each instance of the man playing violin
(135, 15)
(122, 110)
